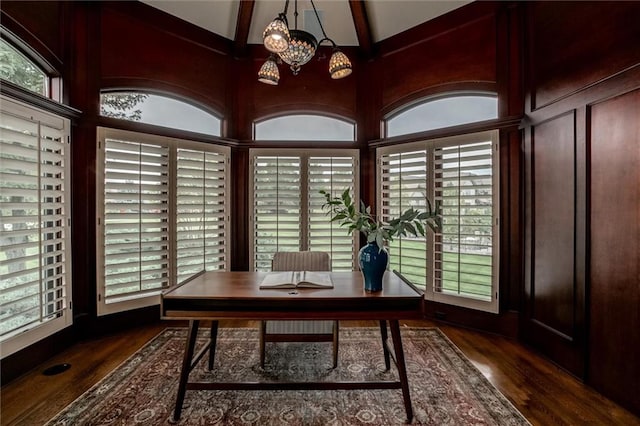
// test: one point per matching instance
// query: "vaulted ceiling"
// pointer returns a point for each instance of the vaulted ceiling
(347, 22)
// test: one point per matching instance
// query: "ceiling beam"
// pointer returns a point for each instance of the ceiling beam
(245, 11)
(362, 25)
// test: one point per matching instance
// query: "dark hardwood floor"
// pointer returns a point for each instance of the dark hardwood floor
(543, 393)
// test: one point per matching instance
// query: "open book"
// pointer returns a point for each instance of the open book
(297, 279)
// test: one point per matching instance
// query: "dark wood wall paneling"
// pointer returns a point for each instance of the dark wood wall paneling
(368, 128)
(455, 48)
(143, 47)
(81, 67)
(614, 325)
(466, 54)
(553, 294)
(582, 204)
(575, 45)
(312, 90)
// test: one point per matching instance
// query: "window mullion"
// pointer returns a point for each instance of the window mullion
(140, 230)
(430, 176)
(459, 236)
(304, 202)
(39, 203)
(172, 225)
(203, 217)
(277, 203)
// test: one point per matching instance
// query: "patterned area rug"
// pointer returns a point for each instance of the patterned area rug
(446, 389)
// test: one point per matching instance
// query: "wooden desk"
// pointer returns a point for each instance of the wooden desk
(236, 295)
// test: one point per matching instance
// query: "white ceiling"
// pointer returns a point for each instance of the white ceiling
(386, 17)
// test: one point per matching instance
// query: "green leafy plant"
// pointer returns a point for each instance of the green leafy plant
(410, 222)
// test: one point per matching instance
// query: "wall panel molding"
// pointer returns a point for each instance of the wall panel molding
(552, 290)
(566, 38)
(614, 296)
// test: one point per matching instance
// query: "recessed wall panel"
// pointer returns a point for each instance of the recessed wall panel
(615, 248)
(552, 289)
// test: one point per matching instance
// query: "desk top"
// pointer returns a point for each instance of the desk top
(229, 295)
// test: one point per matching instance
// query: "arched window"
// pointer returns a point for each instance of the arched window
(304, 127)
(20, 70)
(35, 202)
(442, 111)
(163, 202)
(158, 110)
(460, 173)
(286, 184)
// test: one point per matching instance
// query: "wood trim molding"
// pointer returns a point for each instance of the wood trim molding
(133, 126)
(243, 23)
(441, 89)
(18, 93)
(501, 123)
(28, 42)
(363, 27)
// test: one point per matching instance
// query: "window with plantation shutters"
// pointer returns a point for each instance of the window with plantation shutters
(136, 219)
(35, 289)
(403, 184)
(335, 174)
(287, 206)
(276, 207)
(163, 216)
(460, 173)
(201, 213)
(464, 185)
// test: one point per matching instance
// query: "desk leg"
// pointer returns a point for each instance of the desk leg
(186, 367)
(383, 333)
(214, 340)
(402, 369)
(263, 335)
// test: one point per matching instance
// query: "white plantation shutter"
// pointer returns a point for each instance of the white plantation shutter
(403, 184)
(163, 215)
(333, 174)
(276, 207)
(458, 265)
(35, 289)
(201, 215)
(464, 184)
(287, 205)
(136, 216)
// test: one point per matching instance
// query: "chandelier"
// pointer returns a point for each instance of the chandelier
(296, 47)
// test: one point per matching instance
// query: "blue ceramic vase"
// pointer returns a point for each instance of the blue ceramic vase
(373, 262)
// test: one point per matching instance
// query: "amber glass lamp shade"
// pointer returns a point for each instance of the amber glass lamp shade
(269, 73)
(339, 65)
(276, 36)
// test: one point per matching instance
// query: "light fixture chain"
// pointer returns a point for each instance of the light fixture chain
(324, 35)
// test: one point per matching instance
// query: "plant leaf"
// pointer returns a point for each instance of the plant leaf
(379, 240)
